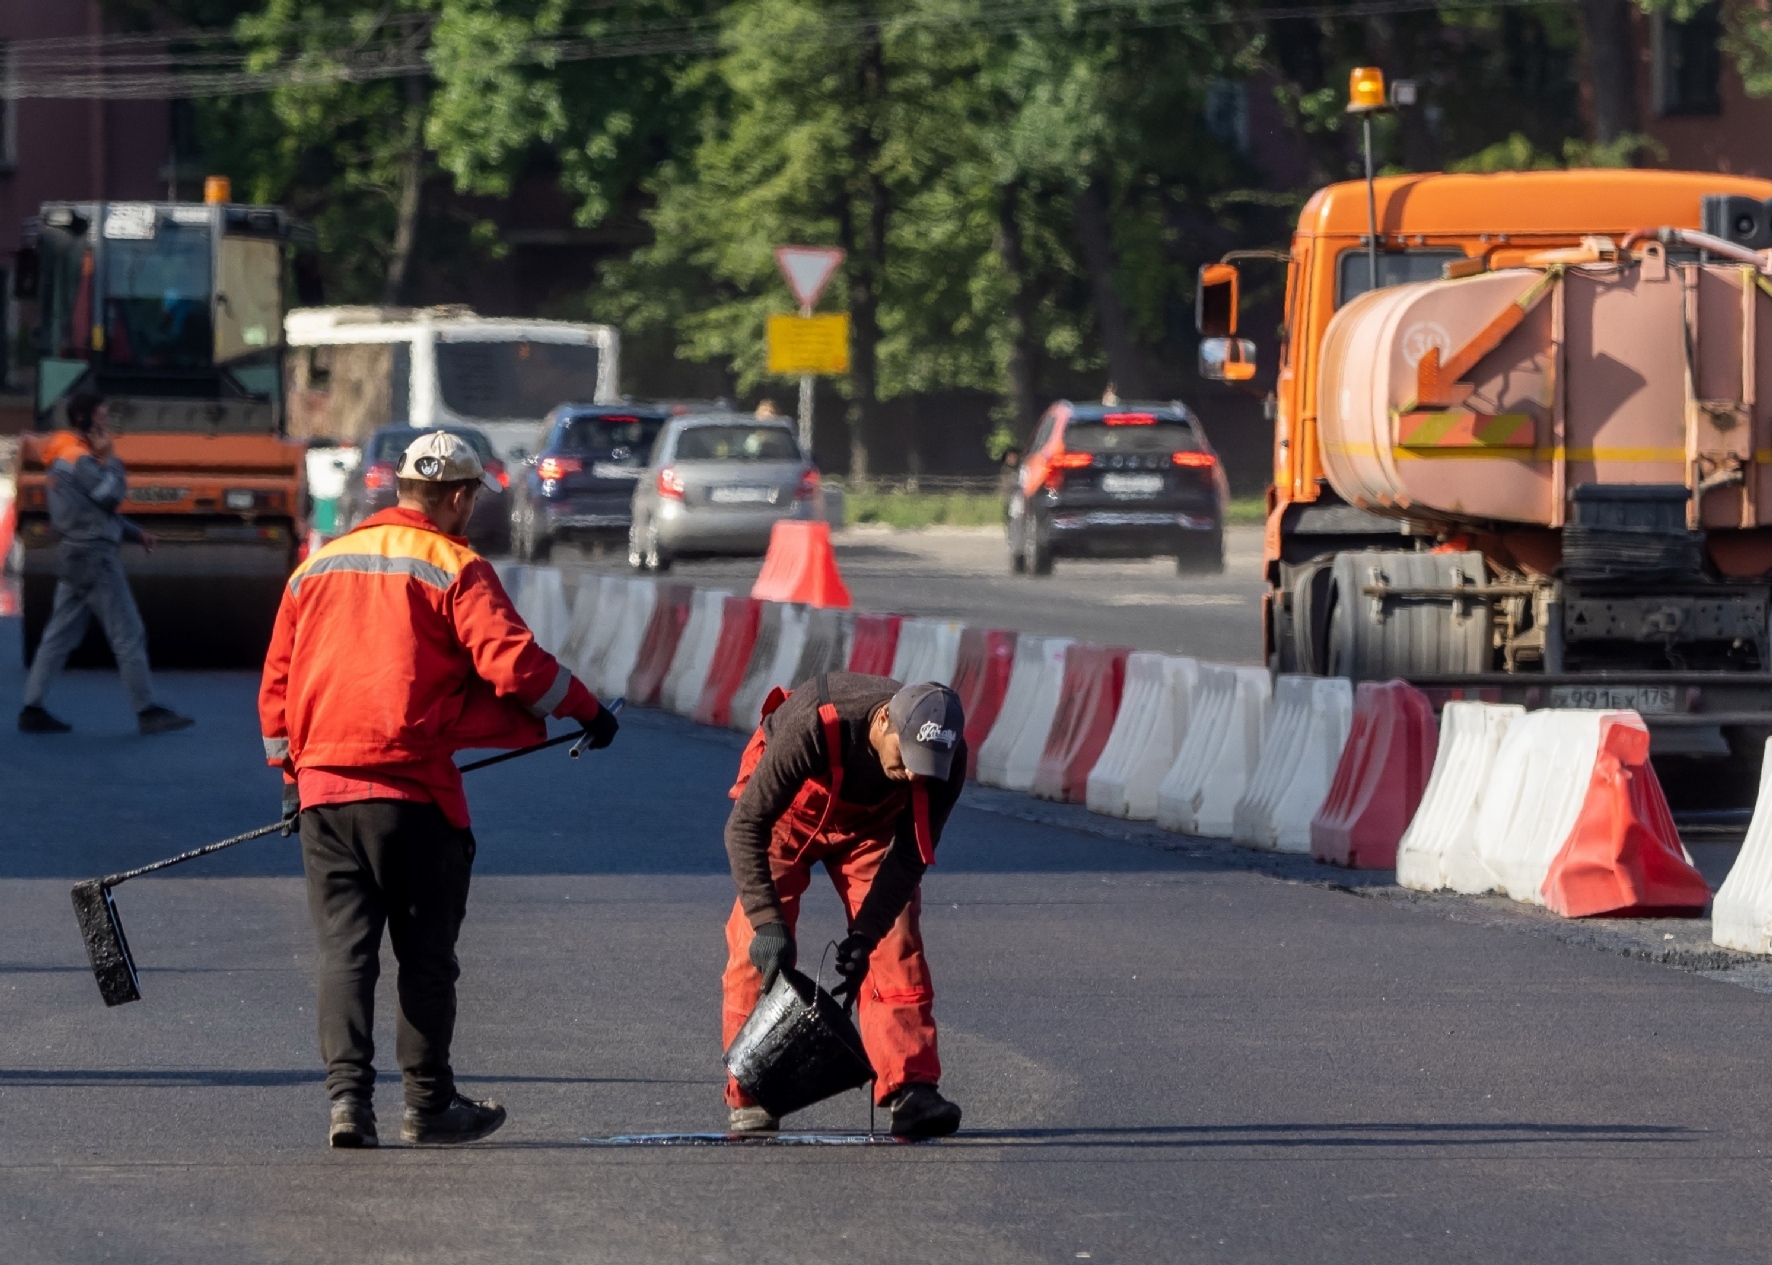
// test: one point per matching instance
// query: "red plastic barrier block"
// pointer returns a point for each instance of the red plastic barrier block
(1090, 699)
(801, 566)
(981, 678)
(1624, 856)
(658, 646)
(1379, 782)
(739, 617)
(875, 644)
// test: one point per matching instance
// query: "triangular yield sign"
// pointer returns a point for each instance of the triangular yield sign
(807, 269)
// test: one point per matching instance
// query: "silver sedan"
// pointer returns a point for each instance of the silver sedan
(716, 485)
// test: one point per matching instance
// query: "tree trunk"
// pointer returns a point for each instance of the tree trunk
(1018, 366)
(866, 247)
(412, 180)
(1611, 67)
(1113, 323)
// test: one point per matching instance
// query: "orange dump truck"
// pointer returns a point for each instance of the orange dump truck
(174, 313)
(1534, 462)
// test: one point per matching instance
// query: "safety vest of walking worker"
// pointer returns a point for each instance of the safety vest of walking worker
(395, 647)
(861, 774)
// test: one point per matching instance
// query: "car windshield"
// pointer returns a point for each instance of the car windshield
(737, 443)
(389, 444)
(620, 435)
(1130, 432)
(508, 380)
(1353, 269)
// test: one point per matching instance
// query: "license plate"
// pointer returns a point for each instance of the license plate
(1132, 484)
(1647, 699)
(742, 496)
(611, 470)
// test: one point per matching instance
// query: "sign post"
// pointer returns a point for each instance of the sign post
(807, 269)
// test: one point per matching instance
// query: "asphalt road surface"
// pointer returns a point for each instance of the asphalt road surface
(1163, 1054)
(963, 573)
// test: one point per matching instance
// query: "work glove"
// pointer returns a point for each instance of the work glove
(772, 951)
(853, 952)
(601, 729)
(291, 808)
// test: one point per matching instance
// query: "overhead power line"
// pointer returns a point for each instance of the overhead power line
(214, 63)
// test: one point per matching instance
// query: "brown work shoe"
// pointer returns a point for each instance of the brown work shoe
(353, 1125)
(463, 1120)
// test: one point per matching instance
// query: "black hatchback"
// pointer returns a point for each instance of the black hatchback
(580, 485)
(1119, 481)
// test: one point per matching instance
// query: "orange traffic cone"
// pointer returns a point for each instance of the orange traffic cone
(801, 566)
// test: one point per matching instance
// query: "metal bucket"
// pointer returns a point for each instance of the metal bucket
(797, 1048)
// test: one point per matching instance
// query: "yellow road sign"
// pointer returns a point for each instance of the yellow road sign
(809, 344)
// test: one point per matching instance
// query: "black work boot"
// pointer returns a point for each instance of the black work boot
(751, 1120)
(463, 1120)
(161, 720)
(34, 720)
(353, 1124)
(919, 1111)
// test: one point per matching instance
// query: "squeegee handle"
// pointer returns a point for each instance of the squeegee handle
(111, 880)
(578, 737)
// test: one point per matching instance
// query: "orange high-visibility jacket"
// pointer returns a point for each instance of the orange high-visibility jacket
(395, 645)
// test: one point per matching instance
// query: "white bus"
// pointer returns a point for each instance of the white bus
(353, 370)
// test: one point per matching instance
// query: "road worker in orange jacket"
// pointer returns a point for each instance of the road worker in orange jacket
(860, 774)
(395, 647)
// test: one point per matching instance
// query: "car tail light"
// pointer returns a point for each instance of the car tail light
(808, 486)
(1130, 419)
(379, 477)
(670, 484)
(1198, 460)
(1063, 461)
(558, 467)
(497, 470)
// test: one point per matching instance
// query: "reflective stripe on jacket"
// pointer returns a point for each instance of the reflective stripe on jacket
(396, 644)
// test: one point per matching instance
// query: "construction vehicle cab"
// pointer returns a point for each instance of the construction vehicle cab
(173, 312)
(1368, 580)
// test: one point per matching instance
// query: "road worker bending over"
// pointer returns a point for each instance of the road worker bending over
(395, 647)
(858, 773)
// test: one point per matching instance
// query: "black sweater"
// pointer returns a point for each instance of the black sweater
(797, 752)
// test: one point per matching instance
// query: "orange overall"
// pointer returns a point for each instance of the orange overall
(896, 1009)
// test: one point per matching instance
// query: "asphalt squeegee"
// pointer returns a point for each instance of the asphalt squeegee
(102, 930)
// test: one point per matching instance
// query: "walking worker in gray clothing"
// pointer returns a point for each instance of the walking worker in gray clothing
(86, 485)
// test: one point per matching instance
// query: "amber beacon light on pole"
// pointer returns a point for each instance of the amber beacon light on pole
(1365, 97)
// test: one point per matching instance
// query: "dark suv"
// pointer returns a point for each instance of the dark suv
(580, 485)
(1119, 481)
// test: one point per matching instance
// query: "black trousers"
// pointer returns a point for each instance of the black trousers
(399, 864)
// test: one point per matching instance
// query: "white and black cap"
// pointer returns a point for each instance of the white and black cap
(929, 722)
(439, 457)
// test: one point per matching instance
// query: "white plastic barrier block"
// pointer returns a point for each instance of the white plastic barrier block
(624, 650)
(1741, 911)
(928, 650)
(1030, 743)
(543, 608)
(1305, 733)
(688, 676)
(593, 638)
(1018, 697)
(747, 704)
(1534, 794)
(1147, 734)
(1439, 849)
(1218, 754)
